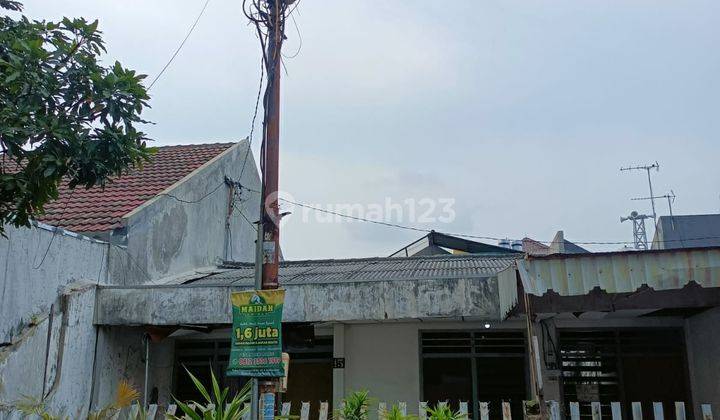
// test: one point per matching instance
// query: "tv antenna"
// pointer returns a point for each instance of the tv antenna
(669, 197)
(652, 197)
(639, 234)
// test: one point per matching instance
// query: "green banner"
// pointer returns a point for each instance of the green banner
(256, 349)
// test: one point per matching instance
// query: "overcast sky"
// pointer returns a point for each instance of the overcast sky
(522, 111)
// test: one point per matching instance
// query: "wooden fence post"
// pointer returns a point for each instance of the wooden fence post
(305, 411)
(679, 410)
(464, 409)
(706, 411)
(246, 416)
(554, 410)
(134, 410)
(484, 410)
(596, 409)
(506, 412)
(637, 410)
(422, 410)
(152, 411)
(382, 410)
(323, 415)
(616, 410)
(285, 409)
(575, 410)
(658, 411)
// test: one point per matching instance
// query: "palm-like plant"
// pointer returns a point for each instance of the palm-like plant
(215, 407)
(355, 407)
(394, 413)
(444, 412)
(126, 394)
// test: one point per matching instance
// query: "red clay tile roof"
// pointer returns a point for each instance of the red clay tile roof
(100, 209)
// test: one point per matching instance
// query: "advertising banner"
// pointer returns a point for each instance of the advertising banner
(256, 344)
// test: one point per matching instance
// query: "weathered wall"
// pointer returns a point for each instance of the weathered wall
(475, 298)
(703, 343)
(56, 367)
(166, 236)
(29, 284)
(124, 360)
(384, 359)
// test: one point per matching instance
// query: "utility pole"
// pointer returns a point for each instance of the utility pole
(647, 168)
(271, 149)
(268, 16)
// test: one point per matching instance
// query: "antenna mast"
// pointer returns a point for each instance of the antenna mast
(639, 234)
(647, 168)
(669, 197)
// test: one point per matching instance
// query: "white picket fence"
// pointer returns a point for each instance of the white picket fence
(155, 412)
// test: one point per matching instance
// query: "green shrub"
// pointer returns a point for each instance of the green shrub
(444, 412)
(356, 406)
(214, 407)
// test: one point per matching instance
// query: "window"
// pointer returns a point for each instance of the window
(474, 366)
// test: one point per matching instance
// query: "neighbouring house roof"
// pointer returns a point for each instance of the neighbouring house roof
(533, 247)
(687, 231)
(100, 209)
(620, 271)
(429, 267)
(462, 287)
(558, 245)
(436, 243)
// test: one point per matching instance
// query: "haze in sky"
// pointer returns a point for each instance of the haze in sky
(521, 112)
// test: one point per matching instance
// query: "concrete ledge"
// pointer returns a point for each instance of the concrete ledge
(362, 301)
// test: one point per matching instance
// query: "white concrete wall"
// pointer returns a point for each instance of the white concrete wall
(703, 347)
(56, 367)
(384, 358)
(29, 285)
(165, 237)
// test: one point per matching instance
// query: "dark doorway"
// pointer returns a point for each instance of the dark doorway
(310, 376)
(624, 365)
(199, 357)
(474, 366)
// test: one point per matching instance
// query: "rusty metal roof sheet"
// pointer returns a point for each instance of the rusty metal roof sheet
(368, 269)
(619, 272)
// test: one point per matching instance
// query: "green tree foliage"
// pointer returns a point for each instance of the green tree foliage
(63, 115)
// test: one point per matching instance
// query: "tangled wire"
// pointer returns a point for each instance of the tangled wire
(269, 17)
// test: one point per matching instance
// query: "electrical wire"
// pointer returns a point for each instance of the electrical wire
(132, 260)
(184, 201)
(252, 124)
(177, 51)
(462, 235)
(62, 213)
(300, 40)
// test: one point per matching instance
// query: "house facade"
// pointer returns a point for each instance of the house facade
(143, 293)
(609, 327)
(184, 210)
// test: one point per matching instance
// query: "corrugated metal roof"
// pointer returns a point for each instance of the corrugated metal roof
(436, 267)
(620, 272)
(687, 231)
